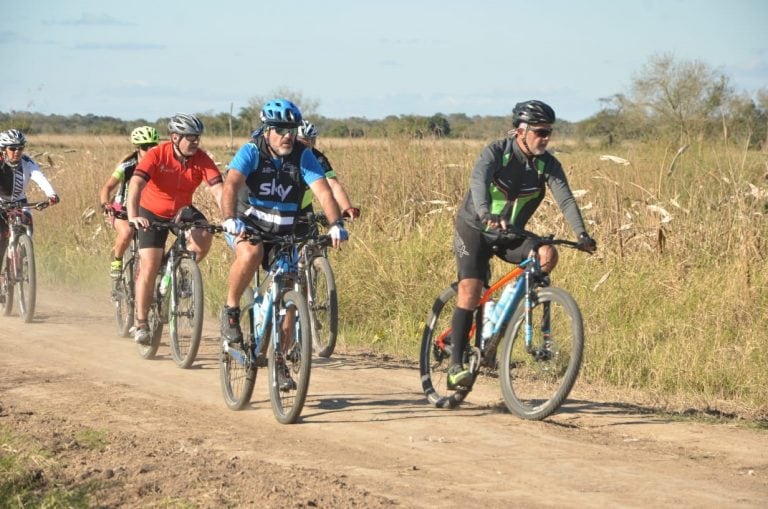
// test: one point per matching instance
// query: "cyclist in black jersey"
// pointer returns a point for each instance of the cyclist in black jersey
(308, 136)
(507, 185)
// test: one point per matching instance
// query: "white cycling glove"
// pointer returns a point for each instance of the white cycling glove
(338, 233)
(233, 226)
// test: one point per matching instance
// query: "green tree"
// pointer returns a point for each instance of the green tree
(684, 96)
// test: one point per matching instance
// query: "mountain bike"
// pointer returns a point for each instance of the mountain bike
(19, 267)
(536, 328)
(177, 296)
(276, 333)
(319, 287)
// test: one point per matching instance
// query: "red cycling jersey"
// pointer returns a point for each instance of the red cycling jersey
(170, 185)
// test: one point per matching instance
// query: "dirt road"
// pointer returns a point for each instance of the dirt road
(367, 437)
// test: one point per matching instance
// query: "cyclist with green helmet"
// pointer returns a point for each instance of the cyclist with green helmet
(507, 185)
(143, 139)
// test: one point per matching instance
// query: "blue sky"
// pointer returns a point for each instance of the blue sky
(361, 58)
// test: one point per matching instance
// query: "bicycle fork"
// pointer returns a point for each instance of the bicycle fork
(542, 352)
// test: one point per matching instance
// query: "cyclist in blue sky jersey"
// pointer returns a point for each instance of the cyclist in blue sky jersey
(276, 169)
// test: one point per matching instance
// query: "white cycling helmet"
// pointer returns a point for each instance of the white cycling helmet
(184, 123)
(307, 130)
(12, 137)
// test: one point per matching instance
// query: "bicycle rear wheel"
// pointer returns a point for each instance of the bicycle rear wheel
(535, 382)
(154, 321)
(323, 306)
(289, 369)
(122, 296)
(7, 287)
(27, 282)
(185, 316)
(434, 359)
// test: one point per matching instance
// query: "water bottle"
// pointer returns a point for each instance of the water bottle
(504, 301)
(166, 280)
(258, 312)
(488, 321)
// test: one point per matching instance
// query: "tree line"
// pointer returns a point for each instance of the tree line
(683, 101)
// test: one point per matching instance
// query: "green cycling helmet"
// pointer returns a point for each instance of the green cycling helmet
(144, 135)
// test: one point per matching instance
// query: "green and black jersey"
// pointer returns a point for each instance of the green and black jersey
(505, 182)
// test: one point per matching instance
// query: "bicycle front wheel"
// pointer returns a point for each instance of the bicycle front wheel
(435, 356)
(237, 367)
(27, 282)
(185, 317)
(323, 306)
(123, 297)
(290, 366)
(536, 379)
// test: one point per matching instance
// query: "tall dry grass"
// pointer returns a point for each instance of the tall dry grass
(674, 302)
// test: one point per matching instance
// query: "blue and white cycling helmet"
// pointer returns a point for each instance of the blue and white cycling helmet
(184, 123)
(307, 130)
(281, 113)
(12, 137)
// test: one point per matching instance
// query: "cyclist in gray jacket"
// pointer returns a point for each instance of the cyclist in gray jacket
(507, 185)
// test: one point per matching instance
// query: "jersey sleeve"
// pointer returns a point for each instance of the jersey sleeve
(482, 177)
(245, 160)
(39, 178)
(311, 170)
(561, 192)
(146, 167)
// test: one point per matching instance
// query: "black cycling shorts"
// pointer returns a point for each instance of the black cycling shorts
(473, 251)
(157, 238)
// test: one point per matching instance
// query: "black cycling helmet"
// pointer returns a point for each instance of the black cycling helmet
(532, 112)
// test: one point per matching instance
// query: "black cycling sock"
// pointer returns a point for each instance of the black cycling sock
(460, 326)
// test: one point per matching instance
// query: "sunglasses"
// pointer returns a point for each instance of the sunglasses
(15, 148)
(147, 146)
(542, 132)
(282, 131)
(191, 137)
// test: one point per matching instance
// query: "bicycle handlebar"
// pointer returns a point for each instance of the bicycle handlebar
(10, 205)
(512, 233)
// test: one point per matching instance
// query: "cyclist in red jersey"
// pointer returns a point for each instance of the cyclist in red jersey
(163, 183)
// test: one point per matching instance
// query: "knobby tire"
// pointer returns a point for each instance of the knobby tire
(296, 356)
(186, 310)
(323, 305)
(435, 361)
(535, 387)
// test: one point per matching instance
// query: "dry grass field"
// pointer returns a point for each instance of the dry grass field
(674, 302)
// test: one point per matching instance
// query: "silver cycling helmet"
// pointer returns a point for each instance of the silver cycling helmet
(12, 137)
(307, 130)
(184, 123)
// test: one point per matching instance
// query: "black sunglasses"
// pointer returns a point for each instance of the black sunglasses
(15, 148)
(542, 132)
(147, 146)
(282, 131)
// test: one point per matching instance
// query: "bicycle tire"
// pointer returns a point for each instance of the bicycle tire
(27, 283)
(323, 305)
(237, 368)
(297, 359)
(155, 323)
(434, 361)
(7, 288)
(123, 297)
(534, 387)
(185, 313)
